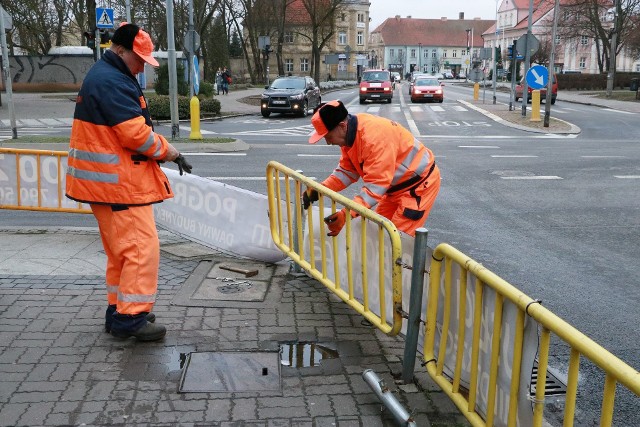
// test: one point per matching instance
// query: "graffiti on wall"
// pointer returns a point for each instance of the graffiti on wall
(67, 69)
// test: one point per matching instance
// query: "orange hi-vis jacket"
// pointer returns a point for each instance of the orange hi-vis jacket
(113, 149)
(387, 157)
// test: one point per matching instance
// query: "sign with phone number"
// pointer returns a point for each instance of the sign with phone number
(34, 181)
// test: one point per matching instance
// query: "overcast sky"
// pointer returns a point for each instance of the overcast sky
(430, 9)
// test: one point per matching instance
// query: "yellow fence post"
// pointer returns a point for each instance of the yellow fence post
(535, 106)
(194, 106)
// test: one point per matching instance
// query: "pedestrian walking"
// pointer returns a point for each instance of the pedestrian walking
(113, 166)
(401, 179)
(226, 80)
(219, 81)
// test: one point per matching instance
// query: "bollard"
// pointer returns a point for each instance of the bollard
(476, 91)
(415, 305)
(387, 398)
(194, 106)
(535, 105)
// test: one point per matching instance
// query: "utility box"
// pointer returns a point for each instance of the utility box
(633, 85)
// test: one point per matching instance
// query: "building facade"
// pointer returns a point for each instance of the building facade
(427, 45)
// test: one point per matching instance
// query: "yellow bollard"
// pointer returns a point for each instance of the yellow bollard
(535, 106)
(476, 91)
(194, 106)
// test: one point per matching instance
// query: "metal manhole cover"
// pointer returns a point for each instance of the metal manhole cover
(554, 386)
(230, 372)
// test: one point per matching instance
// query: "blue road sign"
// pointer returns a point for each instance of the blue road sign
(104, 18)
(537, 77)
(196, 76)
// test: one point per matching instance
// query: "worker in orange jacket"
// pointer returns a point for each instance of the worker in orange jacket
(401, 179)
(113, 166)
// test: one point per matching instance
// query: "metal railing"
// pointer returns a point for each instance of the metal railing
(34, 181)
(615, 370)
(287, 220)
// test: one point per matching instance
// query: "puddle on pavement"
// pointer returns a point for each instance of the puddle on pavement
(176, 360)
(305, 354)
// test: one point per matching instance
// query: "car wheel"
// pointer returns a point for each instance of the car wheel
(413, 101)
(389, 101)
(361, 101)
(553, 101)
(305, 109)
(441, 101)
(266, 113)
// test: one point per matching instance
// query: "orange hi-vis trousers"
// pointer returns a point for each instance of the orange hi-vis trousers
(408, 210)
(130, 241)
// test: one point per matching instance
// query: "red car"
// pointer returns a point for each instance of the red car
(427, 89)
(543, 91)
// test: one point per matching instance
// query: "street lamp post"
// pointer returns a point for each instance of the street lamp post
(468, 30)
(612, 51)
(419, 60)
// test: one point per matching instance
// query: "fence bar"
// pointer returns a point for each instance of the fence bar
(572, 388)
(415, 304)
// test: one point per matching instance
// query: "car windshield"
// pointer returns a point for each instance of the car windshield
(288, 84)
(427, 82)
(371, 76)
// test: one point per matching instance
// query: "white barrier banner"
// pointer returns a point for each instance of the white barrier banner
(52, 181)
(230, 219)
(509, 313)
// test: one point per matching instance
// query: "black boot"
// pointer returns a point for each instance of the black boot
(112, 309)
(136, 325)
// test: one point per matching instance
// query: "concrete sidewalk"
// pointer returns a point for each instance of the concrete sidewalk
(59, 367)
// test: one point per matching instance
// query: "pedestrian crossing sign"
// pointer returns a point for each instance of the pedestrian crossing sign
(104, 18)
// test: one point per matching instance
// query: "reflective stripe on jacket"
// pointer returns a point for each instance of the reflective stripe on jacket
(113, 149)
(385, 155)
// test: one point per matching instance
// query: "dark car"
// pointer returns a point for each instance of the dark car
(290, 94)
(543, 91)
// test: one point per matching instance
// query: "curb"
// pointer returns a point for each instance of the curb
(573, 128)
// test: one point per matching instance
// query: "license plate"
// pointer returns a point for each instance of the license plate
(375, 96)
(428, 95)
(279, 102)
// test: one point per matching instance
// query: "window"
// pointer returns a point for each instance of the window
(343, 17)
(433, 53)
(360, 38)
(638, 67)
(454, 53)
(583, 62)
(288, 37)
(444, 53)
(288, 65)
(413, 53)
(361, 17)
(425, 53)
(557, 39)
(584, 40)
(342, 37)
(304, 65)
(433, 68)
(392, 52)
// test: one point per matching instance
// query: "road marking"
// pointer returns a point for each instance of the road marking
(545, 136)
(627, 176)
(407, 115)
(214, 154)
(245, 178)
(375, 109)
(603, 157)
(617, 111)
(531, 177)
(202, 131)
(318, 155)
(459, 108)
(511, 156)
(415, 109)
(436, 108)
(478, 146)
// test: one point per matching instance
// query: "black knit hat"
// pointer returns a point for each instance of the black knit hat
(125, 35)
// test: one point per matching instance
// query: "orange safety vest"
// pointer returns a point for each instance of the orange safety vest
(113, 149)
(387, 157)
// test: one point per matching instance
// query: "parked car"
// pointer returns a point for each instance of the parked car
(291, 94)
(396, 76)
(462, 75)
(427, 89)
(376, 85)
(448, 75)
(543, 91)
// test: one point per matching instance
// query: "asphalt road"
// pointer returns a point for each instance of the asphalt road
(556, 216)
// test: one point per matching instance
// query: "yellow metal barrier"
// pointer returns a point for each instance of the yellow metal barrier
(616, 371)
(285, 205)
(21, 182)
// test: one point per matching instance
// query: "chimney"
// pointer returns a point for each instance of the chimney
(397, 16)
(461, 15)
(408, 16)
(443, 19)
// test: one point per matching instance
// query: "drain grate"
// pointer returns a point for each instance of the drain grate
(554, 387)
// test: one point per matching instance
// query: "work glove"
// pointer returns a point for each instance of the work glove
(309, 197)
(183, 165)
(335, 222)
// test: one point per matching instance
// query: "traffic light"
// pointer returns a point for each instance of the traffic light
(91, 39)
(105, 38)
(267, 50)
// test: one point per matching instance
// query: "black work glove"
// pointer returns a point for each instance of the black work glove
(183, 165)
(309, 197)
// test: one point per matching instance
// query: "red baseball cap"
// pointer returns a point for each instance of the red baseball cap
(136, 39)
(326, 119)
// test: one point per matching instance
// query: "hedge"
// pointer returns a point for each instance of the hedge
(594, 81)
(159, 107)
